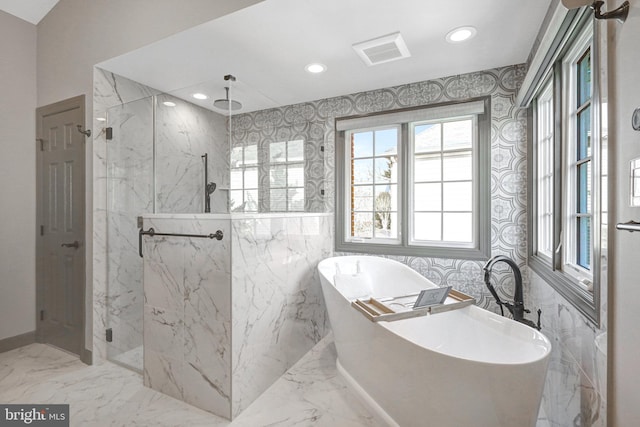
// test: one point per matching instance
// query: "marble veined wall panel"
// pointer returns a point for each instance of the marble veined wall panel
(185, 132)
(187, 313)
(111, 90)
(278, 310)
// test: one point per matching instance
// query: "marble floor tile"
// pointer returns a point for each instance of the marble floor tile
(109, 395)
(310, 393)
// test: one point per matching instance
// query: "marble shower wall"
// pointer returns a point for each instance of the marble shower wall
(183, 134)
(223, 320)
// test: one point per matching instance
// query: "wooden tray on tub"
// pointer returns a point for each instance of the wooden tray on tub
(397, 308)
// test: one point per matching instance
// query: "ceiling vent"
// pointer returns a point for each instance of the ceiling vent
(382, 49)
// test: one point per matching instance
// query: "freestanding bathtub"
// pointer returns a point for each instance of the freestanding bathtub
(462, 368)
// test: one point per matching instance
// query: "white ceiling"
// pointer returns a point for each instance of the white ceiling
(267, 46)
(29, 10)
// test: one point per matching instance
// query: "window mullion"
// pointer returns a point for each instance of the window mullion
(442, 182)
(556, 255)
(405, 182)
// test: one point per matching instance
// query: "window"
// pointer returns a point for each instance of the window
(373, 185)
(545, 172)
(565, 176)
(577, 72)
(415, 182)
(244, 178)
(442, 190)
(286, 176)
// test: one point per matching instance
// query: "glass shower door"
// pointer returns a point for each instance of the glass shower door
(130, 186)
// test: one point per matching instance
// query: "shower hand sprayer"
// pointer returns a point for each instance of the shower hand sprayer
(209, 187)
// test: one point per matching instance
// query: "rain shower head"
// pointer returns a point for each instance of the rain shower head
(227, 104)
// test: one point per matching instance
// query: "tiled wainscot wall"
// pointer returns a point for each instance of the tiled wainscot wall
(224, 319)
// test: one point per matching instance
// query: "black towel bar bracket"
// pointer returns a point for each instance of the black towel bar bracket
(218, 235)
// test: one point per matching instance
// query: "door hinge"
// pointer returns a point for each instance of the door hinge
(42, 230)
(108, 132)
(109, 335)
(41, 315)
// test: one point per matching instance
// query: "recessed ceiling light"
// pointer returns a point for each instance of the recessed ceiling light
(461, 34)
(316, 68)
(200, 96)
(169, 103)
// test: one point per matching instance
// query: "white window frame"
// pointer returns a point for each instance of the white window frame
(480, 249)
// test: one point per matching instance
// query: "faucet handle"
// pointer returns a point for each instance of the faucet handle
(539, 313)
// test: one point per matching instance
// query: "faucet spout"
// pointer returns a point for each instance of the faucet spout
(516, 309)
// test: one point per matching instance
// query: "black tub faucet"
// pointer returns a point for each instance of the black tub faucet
(516, 309)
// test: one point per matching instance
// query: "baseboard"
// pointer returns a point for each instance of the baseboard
(18, 341)
(86, 356)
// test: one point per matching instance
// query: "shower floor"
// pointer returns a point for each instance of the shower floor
(133, 359)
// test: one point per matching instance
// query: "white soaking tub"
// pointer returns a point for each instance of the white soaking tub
(461, 368)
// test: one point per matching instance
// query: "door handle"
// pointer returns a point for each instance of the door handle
(74, 245)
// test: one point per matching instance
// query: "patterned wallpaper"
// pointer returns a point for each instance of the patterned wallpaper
(315, 121)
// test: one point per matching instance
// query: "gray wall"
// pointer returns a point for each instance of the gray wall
(17, 176)
(625, 289)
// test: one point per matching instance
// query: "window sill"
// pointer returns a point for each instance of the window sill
(568, 287)
(480, 254)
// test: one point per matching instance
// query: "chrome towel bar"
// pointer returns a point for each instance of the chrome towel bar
(629, 226)
(218, 235)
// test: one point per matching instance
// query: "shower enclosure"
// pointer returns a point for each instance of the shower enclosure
(155, 164)
(156, 153)
(168, 163)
